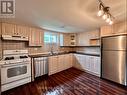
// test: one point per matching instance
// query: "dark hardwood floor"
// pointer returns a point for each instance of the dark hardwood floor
(69, 82)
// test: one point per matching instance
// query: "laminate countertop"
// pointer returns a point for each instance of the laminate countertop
(56, 54)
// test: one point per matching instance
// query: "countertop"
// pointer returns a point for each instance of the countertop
(55, 54)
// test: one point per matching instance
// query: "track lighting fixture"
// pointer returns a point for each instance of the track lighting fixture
(105, 13)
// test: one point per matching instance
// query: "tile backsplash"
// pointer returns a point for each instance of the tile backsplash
(93, 50)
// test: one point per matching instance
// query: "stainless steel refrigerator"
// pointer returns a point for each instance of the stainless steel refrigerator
(114, 59)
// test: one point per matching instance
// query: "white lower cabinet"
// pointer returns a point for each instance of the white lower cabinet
(61, 66)
(53, 65)
(85, 62)
(67, 61)
(88, 63)
(59, 63)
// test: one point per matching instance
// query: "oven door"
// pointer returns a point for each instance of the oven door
(14, 72)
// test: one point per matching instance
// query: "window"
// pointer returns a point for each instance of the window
(50, 37)
(47, 38)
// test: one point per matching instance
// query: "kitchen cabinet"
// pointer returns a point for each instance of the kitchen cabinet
(78, 59)
(88, 63)
(15, 30)
(36, 37)
(97, 65)
(68, 39)
(94, 42)
(59, 63)
(8, 29)
(53, 65)
(67, 61)
(83, 38)
(22, 30)
(115, 29)
(120, 28)
(106, 31)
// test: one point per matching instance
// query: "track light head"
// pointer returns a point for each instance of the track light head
(105, 13)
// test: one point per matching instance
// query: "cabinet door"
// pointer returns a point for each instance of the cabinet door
(8, 29)
(120, 28)
(83, 62)
(66, 62)
(61, 63)
(98, 65)
(53, 65)
(22, 30)
(88, 63)
(71, 60)
(35, 37)
(94, 65)
(77, 59)
(66, 40)
(106, 31)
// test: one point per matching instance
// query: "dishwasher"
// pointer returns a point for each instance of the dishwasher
(41, 66)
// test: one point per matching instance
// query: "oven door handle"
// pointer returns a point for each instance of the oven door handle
(10, 65)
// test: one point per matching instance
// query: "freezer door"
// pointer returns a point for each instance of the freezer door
(114, 43)
(114, 66)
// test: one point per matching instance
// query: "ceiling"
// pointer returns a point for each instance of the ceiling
(65, 15)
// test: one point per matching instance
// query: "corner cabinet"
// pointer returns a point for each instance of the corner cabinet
(36, 37)
(88, 63)
(68, 39)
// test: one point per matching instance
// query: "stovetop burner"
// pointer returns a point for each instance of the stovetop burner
(21, 57)
(9, 58)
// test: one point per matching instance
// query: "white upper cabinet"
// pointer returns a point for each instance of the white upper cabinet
(115, 29)
(36, 37)
(22, 30)
(68, 39)
(15, 30)
(9, 29)
(83, 39)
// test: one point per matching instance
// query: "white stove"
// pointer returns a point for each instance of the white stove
(15, 68)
